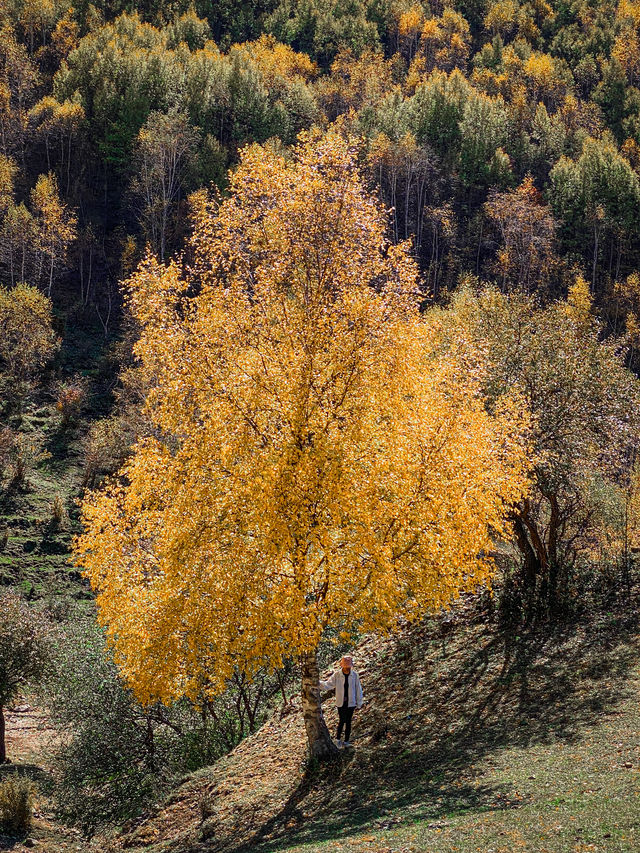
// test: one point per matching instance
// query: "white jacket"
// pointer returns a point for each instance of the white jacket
(336, 682)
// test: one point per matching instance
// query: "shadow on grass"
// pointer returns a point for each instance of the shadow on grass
(433, 717)
(59, 443)
(35, 774)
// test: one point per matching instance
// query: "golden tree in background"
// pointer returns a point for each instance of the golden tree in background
(312, 465)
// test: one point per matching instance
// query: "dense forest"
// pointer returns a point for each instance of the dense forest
(112, 114)
(488, 155)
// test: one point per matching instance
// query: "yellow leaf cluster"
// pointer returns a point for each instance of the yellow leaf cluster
(411, 21)
(277, 60)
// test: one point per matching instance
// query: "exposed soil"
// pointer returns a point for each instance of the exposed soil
(30, 740)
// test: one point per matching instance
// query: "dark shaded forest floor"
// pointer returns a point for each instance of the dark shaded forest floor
(484, 742)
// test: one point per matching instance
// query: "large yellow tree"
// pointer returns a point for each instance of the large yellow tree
(312, 464)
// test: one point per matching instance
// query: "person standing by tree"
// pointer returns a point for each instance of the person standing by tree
(346, 683)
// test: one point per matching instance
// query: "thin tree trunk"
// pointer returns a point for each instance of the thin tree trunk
(149, 742)
(531, 563)
(536, 538)
(320, 744)
(554, 567)
(3, 747)
(69, 165)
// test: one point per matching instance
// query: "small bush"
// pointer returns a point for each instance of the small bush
(58, 512)
(19, 455)
(71, 400)
(117, 757)
(7, 450)
(16, 804)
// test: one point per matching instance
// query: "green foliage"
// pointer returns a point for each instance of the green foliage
(25, 646)
(117, 755)
(597, 194)
(124, 71)
(121, 72)
(531, 85)
(321, 28)
(612, 97)
(584, 426)
(436, 111)
(483, 130)
(190, 30)
(106, 770)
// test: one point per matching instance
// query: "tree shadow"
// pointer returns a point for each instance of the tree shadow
(41, 778)
(59, 443)
(427, 725)
(8, 842)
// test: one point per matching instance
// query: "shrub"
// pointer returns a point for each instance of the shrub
(58, 512)
(16, 804)
(28, 341)
(118, 755)
(72, 398)
(25, 645)
(25, 456)
(19, 454)
(7, 450)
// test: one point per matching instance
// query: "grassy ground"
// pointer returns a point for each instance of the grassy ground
(490, 743)
(37, 553)
(36, 556)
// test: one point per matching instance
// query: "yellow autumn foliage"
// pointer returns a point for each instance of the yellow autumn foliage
(410, 22)
(315, 461)
(276, 60)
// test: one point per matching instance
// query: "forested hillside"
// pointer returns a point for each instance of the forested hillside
(113, 113)
(315, 315)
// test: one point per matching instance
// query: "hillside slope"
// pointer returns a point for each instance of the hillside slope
(468, 742)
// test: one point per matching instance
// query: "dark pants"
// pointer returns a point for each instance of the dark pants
(345, 715)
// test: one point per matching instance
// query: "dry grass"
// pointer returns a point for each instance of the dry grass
(16, 804)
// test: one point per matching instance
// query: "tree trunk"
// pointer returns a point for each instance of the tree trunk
(3, 747)
(531, 568)
(320, 744)
(555, 569)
